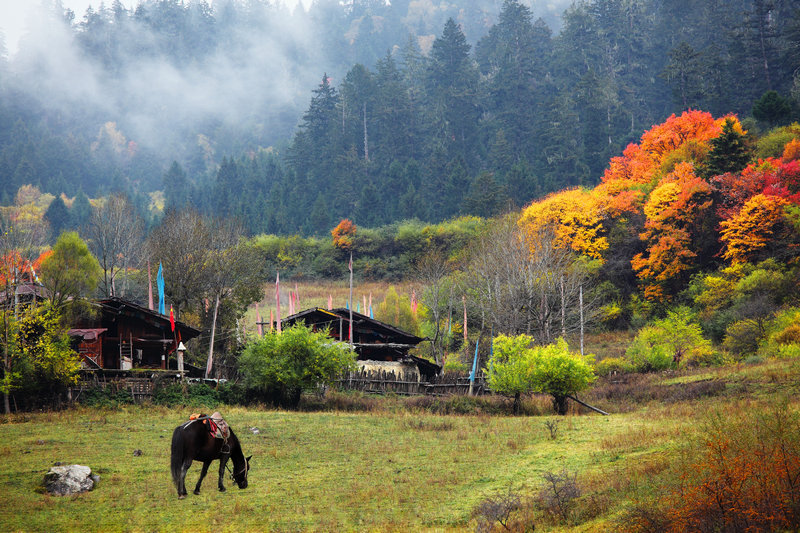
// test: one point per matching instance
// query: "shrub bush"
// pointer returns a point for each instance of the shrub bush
(613, 365)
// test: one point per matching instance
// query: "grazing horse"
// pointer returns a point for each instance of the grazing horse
(193, 441)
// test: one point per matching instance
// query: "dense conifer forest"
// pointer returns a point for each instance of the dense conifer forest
(290, 120)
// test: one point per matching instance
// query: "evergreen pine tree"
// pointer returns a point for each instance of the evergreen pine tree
(728, 153)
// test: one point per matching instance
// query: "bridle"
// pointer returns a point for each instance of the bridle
(243, 470)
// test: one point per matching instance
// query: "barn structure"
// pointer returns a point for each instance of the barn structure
(124, 335)
(379, 346)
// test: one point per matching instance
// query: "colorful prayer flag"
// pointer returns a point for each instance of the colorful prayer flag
(162, 304)
(171, 318)
(258, 322)
(278, 301)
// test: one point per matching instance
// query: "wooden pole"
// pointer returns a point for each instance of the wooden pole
(580, 296)
(587, 405)
(351, 300)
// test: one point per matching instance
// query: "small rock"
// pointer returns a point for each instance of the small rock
(40, 442)
(69, 479)
(254, 431)
(137, 453)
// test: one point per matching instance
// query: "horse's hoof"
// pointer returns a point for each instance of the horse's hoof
(181, 496)
(197, 493)
(222, 489)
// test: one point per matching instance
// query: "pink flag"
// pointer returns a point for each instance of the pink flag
(296, 294)
(271, 320)
(258, 322)
(291, 303)
(366, 311)
(149, 288)
(278, 301)
(330, 302)
(414, 302)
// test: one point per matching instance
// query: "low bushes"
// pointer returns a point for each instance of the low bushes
(739, 474)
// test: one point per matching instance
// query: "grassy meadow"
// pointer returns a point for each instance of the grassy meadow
(394, 467)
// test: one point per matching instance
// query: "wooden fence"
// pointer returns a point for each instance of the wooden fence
(382, 382)
(140, 389)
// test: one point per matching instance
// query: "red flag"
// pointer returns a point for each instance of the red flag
(296, 295)
(278, 301)
(414, 302)
(171, 318)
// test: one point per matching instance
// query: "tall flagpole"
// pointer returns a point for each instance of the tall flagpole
(351, 299)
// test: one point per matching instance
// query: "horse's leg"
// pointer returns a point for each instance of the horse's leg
(223, 459)
(182, 484)
(203, 472)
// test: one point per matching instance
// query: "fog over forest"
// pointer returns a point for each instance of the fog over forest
(242, 68)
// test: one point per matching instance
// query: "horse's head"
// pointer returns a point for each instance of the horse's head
(240, 477)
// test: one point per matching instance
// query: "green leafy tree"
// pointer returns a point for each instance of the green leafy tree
(281, 366)
(670, 342)
(519, 367)
(71, 272)
(41, 359)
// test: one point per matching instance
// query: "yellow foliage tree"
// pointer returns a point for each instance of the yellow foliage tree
(758, 223)
(576, 216)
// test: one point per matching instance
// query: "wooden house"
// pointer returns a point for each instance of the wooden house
(124, 335)
(377, 344)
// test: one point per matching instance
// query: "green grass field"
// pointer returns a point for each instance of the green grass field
(392, 470)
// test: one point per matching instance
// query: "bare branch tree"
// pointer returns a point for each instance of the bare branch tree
(432, 271)
(182, 243)
(115, 232)
(525, 283)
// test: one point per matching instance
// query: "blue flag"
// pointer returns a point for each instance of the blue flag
(162, 304)
(475, 361)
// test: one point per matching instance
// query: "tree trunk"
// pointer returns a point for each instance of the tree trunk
(366, 145)
(560, 404)
(213, 331)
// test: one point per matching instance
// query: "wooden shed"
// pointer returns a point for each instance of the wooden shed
(124, 335)
(373, 340)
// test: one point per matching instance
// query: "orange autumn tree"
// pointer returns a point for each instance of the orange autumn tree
(675, 223)
(343, 234)
(690, 132)
(576, 216)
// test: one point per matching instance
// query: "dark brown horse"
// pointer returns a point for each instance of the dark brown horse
(192, 441)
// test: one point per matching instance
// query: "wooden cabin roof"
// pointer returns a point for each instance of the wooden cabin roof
(121, 307)
(387, 333)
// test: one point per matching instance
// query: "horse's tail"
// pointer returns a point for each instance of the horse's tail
(176, 458)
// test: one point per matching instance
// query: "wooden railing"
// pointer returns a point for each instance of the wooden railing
(382, 382)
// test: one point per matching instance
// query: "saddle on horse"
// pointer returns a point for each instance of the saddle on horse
(217, 426)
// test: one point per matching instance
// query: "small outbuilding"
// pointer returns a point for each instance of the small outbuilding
(379, 346)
